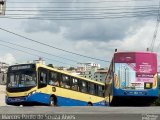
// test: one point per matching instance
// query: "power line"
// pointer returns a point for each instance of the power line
(81, 13)
(35, 55)
(81, 17)
(75, 16)
(154, 35)
(156, 29)
(67, 2)
(84, 10)
(95, 7)
(89, 14)
(39, 51)
(40, 2)
(52, 46)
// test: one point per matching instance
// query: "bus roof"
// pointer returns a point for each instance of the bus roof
(137, 52)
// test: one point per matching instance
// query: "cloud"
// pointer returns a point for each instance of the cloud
(92, 29)
(95, 38)
(39, 26)
(139, 41)
(8, 58)
(100, 30)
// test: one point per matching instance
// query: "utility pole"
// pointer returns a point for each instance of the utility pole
(2, 7)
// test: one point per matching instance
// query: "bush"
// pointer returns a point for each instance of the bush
(157, 102)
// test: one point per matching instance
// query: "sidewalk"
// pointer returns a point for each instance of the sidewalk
(2, 95)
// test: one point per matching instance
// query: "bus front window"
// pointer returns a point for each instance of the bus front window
(22, 79)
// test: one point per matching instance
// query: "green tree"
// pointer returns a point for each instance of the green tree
(71, 68)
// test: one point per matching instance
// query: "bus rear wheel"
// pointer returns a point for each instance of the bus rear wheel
(52, 101)
(89, 104)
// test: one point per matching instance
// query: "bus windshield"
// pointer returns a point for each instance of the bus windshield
(22, 78)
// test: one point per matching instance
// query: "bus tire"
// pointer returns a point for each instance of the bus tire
(53, 101)
(89, 104)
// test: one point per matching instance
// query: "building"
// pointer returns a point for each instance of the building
(82, 67)
(3, 72)
(100, 75)
(92, 71)
(95, 74)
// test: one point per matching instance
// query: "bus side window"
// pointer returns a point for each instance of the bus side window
(100, 91)
(65, 82)
(42, 78)
(96, 89)
(91, 88)
(75, 84)
(53, 78)
(83, 86)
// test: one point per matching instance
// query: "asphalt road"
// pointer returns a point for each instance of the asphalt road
(80, 113)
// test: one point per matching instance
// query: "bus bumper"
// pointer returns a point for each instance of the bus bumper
(36, 98)
(151, 92)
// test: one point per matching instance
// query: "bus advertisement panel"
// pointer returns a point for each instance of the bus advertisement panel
(135, 70)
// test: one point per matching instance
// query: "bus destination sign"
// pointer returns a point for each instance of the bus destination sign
(22, 67)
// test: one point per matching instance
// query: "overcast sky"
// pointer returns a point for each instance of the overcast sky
(93, 28)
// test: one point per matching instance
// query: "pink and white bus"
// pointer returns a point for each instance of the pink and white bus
(134, 78)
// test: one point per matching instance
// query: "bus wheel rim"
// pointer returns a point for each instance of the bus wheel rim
(51, 102)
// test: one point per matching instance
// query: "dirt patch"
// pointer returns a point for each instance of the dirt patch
(2, 95)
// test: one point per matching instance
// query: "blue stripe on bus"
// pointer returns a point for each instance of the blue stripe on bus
(39, 97)
(146, 92)
(44, 99)
(72, 102)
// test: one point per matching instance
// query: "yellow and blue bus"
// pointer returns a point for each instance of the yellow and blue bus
(39, 84)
